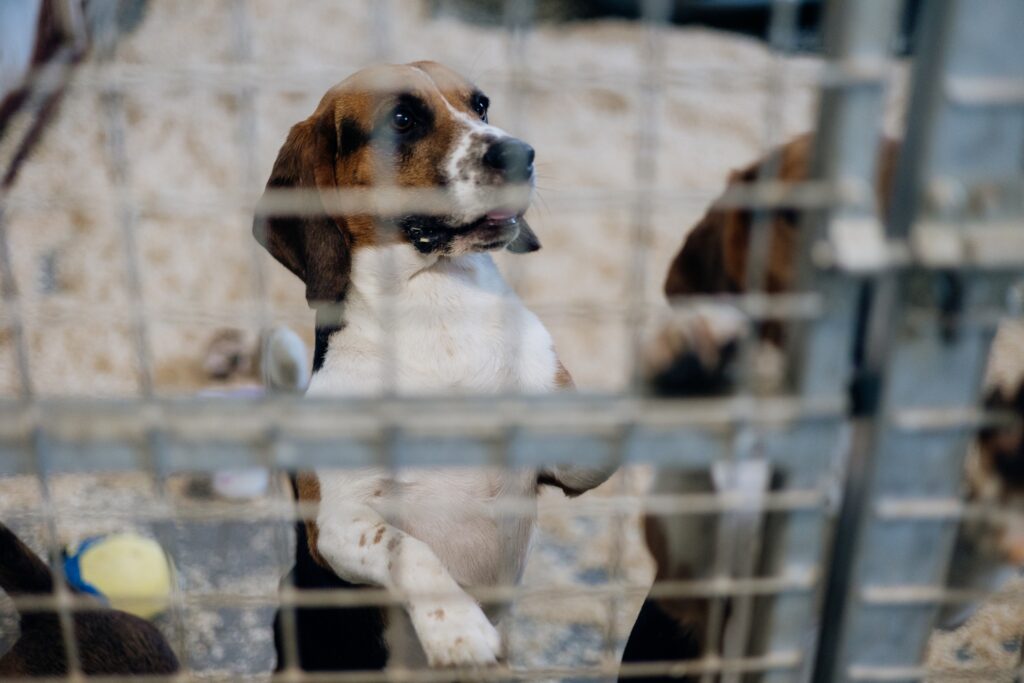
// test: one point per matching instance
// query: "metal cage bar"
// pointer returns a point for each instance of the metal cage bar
(934, 360)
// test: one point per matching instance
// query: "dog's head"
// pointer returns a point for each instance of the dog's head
(418, 127)
(713, 259)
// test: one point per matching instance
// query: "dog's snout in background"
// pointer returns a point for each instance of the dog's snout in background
(512, 159)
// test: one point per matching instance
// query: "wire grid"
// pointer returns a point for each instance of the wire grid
(772, 618)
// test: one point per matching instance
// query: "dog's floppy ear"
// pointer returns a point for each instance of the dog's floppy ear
(526, 241)
(699, 266)
(313, 244)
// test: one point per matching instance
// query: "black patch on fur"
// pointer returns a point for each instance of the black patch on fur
(1008, 462)
(387, 139)
(332, 638)
(1010, 466)
(351, 137)
(689, 376)
(657, 637)
(327, 324)
(545, 478)
(429, 234)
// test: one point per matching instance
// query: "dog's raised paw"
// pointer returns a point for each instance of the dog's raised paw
(456, 632)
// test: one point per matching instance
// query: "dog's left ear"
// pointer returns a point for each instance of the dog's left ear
(526, 241)
(314, 244)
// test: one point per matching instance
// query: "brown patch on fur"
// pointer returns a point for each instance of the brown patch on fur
(437, 614)
(362, 540)
(364, 96)
(713, 259)
(563, 380)
(392, 544)
(316, 248)
(379, 535)
(308, 487)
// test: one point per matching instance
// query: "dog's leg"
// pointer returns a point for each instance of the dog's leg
(364, 549)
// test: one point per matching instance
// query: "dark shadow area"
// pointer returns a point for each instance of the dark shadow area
(747, 17)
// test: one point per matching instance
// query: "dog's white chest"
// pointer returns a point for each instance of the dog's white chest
(453, 327)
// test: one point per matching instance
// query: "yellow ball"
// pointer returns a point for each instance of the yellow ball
(131, 572)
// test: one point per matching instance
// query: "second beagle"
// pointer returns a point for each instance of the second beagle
(694, 354)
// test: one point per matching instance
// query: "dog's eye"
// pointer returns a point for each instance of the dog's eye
(480, 105)
(401, 120)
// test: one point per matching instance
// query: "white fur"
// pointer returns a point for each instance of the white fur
(464, 168)
(427, 324)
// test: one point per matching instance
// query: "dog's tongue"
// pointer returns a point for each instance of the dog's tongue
(501, 215)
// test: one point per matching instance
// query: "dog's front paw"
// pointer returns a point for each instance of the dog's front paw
(456, 632)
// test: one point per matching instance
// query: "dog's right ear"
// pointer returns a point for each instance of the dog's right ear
(311, 243)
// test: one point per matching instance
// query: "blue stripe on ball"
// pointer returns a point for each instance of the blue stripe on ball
(73, 569)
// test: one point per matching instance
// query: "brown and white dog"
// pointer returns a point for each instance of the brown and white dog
(693, 355)
(412, 303)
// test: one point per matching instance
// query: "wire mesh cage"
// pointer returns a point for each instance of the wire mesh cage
(774, 276)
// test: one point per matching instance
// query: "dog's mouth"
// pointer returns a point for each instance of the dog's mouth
(498, 218)
(494, 230)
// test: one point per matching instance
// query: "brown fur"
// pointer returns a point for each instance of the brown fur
(308, 488)
(713, 259)
(563, 380)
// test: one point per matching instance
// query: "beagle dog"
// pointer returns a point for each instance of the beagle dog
(694, 354)
(110, 642)
(411, 303)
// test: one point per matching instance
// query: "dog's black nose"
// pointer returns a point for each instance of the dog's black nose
(514, 158)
